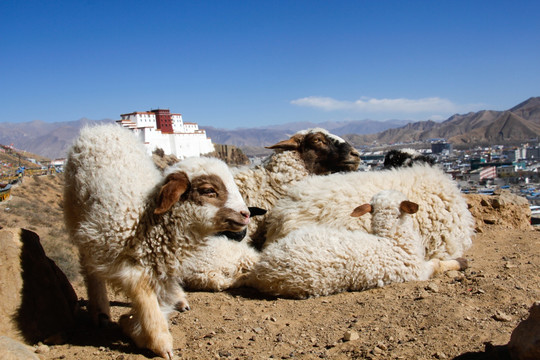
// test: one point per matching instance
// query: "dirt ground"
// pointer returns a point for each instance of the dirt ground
(448, 316)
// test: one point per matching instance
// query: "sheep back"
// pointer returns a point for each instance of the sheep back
(108, 175)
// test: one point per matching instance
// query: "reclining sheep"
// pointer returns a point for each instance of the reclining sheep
(317, 260)
(133, 227)
(314, 151)
(405, 157)
(444, 221)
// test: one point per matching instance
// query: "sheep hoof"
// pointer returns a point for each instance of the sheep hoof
(182, 306)
(103, 320)
(159, 342)
(463, 263)
(167, 355)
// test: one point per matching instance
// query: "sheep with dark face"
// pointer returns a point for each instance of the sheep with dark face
(405, 157)
(134, 227)
(308, 152)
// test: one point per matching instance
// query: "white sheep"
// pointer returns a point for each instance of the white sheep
(444, 221)
(314, 151)
(134, 227)
(318, 260)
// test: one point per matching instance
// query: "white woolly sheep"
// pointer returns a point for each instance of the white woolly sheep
(318, 260)
(133, 227)
(314, 151)
(444, 221)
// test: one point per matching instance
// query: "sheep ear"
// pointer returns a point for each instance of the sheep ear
(409, 207)
(361, 210)
(175, 186)
(290, 144)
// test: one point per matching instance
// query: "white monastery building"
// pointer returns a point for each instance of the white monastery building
(161, 129)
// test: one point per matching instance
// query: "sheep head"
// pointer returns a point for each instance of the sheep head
(321, 151)
(206, 186)
(386, 200)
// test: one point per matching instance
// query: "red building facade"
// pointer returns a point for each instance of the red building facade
(163, 120)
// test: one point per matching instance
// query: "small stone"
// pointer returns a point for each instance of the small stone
(423, 295)
(440, 355)
(433, 287)
(42, 349)
(500, 316)
(223, 353)
(351, 336)
(454, 274)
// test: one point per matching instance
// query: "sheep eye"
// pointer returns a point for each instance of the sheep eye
(318, 142)
(208, 191)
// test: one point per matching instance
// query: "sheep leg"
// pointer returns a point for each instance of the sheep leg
(441, 266)
(172, 297)
(98, 302)
(181, 301)
(146, 324)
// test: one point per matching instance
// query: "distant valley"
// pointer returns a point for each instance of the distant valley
(520, 123)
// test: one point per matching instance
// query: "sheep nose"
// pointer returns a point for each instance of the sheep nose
(354, 153)
(245, 214)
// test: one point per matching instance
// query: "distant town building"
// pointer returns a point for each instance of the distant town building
(160, 129)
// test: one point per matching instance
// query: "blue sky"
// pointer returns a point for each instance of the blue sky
(236, 64)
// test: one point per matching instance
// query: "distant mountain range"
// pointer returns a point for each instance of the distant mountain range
(520, 123)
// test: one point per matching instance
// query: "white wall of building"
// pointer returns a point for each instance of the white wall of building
(185, 141)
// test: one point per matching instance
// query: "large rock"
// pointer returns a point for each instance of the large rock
(525, 339)
(14, 350)
(38, 302)
(502, 208)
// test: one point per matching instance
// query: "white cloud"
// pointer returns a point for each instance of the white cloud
(408, 106)
(437, 117)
